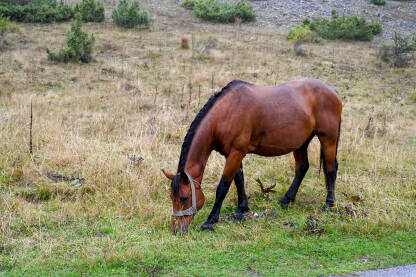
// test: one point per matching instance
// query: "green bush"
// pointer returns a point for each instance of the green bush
(215, 11)
(78, 45)
(90, 10)
(301, 33)
(379, 2)
(344, 28)
(130, 16)
(188, 4)
(5, 26)
(43, 11)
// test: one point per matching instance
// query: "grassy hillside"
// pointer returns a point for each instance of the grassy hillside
(111, 125)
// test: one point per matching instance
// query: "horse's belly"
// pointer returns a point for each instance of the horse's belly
(270, 151)
(276, 142)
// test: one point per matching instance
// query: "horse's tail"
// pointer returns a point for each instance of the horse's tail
(339, 134)
(321, 161)
(322, 157)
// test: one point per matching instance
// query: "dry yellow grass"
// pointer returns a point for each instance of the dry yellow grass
(95, 120)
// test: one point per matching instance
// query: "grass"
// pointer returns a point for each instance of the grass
(119, 247)
(94, 120)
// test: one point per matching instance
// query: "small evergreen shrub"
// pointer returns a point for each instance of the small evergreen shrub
(188, 4)
(344, 27)
(398, 53)
(90, 10)
(6, 26)
(42, 11)
(215, 11)
(130, 16)
(78, 45)
(301, 33)
(379, 2)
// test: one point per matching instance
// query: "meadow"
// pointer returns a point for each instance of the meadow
(92, 200)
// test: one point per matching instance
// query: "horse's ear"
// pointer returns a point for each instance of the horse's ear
(168, 175)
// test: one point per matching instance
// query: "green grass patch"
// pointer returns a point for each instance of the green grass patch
(120, 247)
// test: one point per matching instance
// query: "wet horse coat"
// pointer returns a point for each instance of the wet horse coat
(269, 121)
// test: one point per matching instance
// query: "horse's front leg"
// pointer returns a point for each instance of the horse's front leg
(232, 166)
(242, 198)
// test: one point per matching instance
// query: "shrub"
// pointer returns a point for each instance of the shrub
(43, 11)
(379, 2)
(188, 4)
(297, 48)
(130, 16)
(78, 45)
(398, 53)
(90, 10)
(301, 33)
(344, 27)
(5, 26)
(215, 11)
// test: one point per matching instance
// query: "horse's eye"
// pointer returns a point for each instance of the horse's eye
(184, 199)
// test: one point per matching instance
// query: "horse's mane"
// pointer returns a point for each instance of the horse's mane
(192, 129)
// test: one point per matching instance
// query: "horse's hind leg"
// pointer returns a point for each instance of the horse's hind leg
(242, 198)
(330, 164)
(302, 165)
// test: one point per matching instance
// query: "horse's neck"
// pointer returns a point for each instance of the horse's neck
(199, 152)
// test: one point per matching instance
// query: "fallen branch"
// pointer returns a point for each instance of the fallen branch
(265, 190)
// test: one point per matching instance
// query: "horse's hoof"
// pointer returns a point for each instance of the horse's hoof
(327, 207)
(207, 227)
(237, 217)
(284, 203)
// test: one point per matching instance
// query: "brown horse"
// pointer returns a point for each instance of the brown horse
(269, 121)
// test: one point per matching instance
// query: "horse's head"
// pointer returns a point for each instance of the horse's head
(187, 198)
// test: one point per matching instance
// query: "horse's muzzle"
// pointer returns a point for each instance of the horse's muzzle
(180, 225)
(181, 228)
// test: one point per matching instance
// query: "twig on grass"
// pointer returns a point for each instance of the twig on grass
(265, 190)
